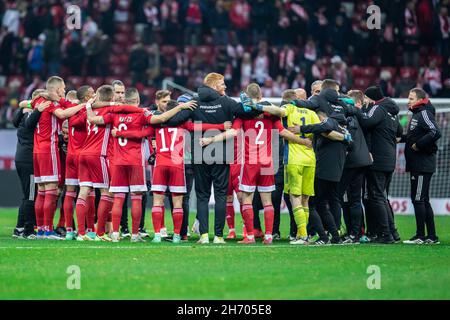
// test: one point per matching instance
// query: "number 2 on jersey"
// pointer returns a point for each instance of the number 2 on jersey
(259, 125)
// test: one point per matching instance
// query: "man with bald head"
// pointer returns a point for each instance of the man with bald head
(300, 94)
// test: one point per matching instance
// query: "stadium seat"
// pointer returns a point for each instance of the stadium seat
(168, 50)
(76, 81)
(95, 82)
(357, 71)
(190, 50)
(118, 70)
(123, 28)
(408, 72)
(369, 71)
(392, 70)
(149, 93)
(2, 96)
(361, 83)
(115, 59)
(110, 79)
(127, 81)
(122, 38)
(17, 78)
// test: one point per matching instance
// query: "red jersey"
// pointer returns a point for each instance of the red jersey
(128, 151)
(97, 139)
(77, 132)
(258, 138)
(46, 132)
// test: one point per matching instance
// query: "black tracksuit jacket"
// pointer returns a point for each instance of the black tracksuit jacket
(424, 132)
(381, 124)
(25, 124)
(330, 155)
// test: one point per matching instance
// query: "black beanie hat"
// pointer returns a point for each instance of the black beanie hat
(374, 93)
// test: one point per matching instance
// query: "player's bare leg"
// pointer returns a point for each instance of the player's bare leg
(266, 199)
(177, 216)
(157, 215)
(247, 216)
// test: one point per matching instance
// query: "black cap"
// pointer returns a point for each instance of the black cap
(374, 93)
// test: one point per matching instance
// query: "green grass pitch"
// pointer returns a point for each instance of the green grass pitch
(38, 269)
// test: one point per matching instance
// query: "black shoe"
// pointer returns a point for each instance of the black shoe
(396, 236)
(385, 239)
(17, 234)
(168, 238)
(372, 238)
(276, 237)
(351, 240)
(61, 231)
(432, 240)
(125, 233)
(415, 240)
(30, 235)
(143, 233)
(322, 241)
(336, 240)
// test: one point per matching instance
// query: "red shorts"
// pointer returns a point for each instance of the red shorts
(257, 175)
(169, 177)
(234, 179)
(93, 171)
(47, 167)
(72, 170)
(127, 179)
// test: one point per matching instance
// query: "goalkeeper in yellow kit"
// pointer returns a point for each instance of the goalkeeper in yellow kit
(300, 161)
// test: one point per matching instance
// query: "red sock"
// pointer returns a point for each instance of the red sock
(68, 209)
(268, 218)
(136, 212)
(81, 210)
(104, 208)
(49, 208)
(90, 218)
(157, 216)
(230, 215)
(119, 199)
(177, 216)
(247, 215)
(39, 209)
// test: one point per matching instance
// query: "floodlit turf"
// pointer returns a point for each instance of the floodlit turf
(38, 269)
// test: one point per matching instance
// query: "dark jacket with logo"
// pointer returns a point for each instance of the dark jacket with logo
(25, 124)
(330, 155)
(327, 101)
(358, 155)
(424, 132)
(215, 109)
(381, 124)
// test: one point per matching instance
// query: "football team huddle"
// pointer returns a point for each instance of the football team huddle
(317, 146)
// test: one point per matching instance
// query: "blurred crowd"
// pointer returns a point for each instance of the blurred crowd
(280, 44)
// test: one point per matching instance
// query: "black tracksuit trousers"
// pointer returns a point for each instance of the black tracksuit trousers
(26, 218)
(207, 175)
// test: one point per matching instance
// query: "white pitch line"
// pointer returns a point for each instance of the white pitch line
(154, 247)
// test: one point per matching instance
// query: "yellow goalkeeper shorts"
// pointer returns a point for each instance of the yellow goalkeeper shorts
(299, 180)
